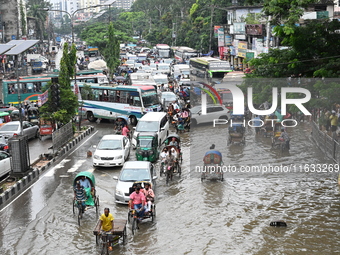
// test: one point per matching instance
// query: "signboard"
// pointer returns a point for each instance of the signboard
(14, 37)
(221, 65)
(242, 49)
(239, 28)
(250, 55)
(227, 40)
(240, 37)
(42, 98)
(216, 31)
(256, 29)
(220, 40)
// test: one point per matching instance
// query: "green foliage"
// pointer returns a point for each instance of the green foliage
(68, 100)
(23, 19)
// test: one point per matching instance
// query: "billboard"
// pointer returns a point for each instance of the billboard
(255, 29)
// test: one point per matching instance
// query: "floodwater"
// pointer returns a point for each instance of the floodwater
(193, 217)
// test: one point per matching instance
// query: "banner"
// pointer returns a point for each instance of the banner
(220, 40)
(216, 31)
(227, 40)
(42, 98)
(242, 49)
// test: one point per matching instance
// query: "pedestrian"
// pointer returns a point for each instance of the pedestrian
(334, 122)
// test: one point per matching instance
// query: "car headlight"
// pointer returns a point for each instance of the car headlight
(119, 192)
(119, 157)
(96, 157)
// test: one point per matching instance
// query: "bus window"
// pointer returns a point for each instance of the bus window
(105, 95)
(112, 95)
(89, 80)
(96, 94)
(136, 102)
(29, 87)
(124, 95)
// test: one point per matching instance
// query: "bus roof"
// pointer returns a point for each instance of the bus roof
(135, 87)
(205, 60)
(187, 49)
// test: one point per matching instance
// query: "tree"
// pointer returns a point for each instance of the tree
(68, 100)
(111, 51)
(35, 8)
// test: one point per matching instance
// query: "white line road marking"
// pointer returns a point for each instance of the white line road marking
(30, 187)
(60, 165)
(76, 166)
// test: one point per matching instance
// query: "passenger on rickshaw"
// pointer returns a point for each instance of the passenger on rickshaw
(119, 124)
(137, 202)
(80, 195)
(170, 160)
(174, 142)
(106, 225)
(149, 196)
(85, 182)
(284, 136)
(125, 131)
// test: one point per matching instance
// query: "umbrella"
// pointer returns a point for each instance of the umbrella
(120, 78)
(97, 64)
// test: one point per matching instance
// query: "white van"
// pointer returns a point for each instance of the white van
(152, 122)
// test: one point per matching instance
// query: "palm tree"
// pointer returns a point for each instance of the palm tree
(37, 9)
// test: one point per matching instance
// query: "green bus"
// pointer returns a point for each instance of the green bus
(32, 86)
(207, 69)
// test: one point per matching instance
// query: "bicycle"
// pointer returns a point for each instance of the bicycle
(105, 241)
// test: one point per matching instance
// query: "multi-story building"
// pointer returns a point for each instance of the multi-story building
(11, 15)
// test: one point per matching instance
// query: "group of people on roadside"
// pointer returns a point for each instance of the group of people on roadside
(332, 121)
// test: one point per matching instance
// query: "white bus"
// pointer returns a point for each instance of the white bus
(163, 50)
(106, 102)
(183, 54)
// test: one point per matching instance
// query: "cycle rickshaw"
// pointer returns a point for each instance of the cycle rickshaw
(176, 138)
(120, 122)
(132, 213)
(212, 165)
(92, 198)
(119, 231)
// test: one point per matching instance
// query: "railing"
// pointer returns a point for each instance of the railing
(62, 136)
(327, 144)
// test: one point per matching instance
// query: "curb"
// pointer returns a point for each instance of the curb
(34, 175)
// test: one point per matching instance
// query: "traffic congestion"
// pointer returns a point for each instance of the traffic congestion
(140, 183)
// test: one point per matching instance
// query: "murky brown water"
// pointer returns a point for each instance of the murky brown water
(213, 217)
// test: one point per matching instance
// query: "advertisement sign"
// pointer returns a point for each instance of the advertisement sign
(240, 37)
(227, 40)
(216, 31)
(222, 65)
(42, 98)
(250, 55)
(239, 28)
(220, 40)
(242, 49)
(255, 29)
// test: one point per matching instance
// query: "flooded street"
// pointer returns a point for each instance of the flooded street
(193, 217)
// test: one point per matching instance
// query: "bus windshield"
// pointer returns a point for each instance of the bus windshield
(150, 98)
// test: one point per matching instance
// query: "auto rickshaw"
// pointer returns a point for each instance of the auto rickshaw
(147, 147)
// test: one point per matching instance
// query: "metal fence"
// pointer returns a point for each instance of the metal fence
(326, 143)
(61, 136)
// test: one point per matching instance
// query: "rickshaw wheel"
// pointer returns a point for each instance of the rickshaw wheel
(124, 235)
(153, 216)
(133, 120)
(96, 204)
(74, 211)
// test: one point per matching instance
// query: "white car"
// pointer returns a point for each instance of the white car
(213, 112)
(5, 163)
(112, 150)
(131, 172)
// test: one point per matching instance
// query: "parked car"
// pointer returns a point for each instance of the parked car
(5, 163)
(213, 112)
(12, 128)
(131, 172)
(112, 150)
(3, 144)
